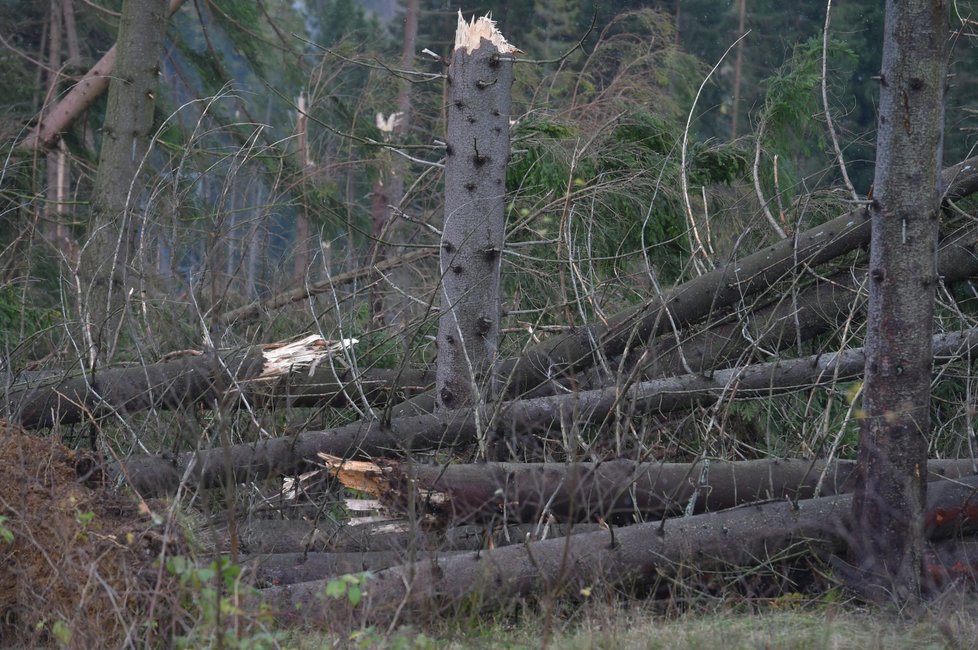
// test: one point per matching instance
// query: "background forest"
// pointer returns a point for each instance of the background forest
(293, 185)
(243, 206)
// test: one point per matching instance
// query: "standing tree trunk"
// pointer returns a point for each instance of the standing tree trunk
(81, 96)
(300, 265)
(738, 67)
(889, 502)
(479, 81)
(125, 140)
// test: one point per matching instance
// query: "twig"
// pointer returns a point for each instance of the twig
(684, 179)
(825, 103)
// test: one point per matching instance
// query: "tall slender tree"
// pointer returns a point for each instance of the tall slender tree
(888, 505)
(107, 256)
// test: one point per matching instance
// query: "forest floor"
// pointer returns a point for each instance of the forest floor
(783, 623)
(84, 530)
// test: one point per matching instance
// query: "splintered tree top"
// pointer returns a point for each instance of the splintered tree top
(469, 35)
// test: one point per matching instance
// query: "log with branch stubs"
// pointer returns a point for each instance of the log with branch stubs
(641, 554)
(476, 155)
(374, 438)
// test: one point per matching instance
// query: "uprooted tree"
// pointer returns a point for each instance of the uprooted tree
(621, 394)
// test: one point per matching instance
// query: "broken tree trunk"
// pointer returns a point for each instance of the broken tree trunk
(617, 491)
(705, 296)
(194, 377)
(619, 557)
(372, 438)
(479, 80)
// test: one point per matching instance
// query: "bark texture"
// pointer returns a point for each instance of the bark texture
(617, 557)
(117, 193)
(903, 278)
(477, 151)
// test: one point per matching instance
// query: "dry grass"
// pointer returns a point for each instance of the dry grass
(785, 625)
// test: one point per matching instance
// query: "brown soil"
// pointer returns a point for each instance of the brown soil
(82, 568)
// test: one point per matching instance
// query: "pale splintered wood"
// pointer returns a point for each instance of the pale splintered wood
(302, 353)
(469, 36)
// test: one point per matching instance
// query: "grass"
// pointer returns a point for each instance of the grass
(785, 623)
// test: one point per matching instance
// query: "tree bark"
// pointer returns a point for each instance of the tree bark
(106, 258)
(477, 152)
(903, 277)
(371, 438)
(706, 296)
(641, 554)
(618, 491)
(259, 374)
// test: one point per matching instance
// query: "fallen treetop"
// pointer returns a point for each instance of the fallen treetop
(698, 298)
(151, 475)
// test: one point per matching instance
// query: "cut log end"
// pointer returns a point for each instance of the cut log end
(469, 36)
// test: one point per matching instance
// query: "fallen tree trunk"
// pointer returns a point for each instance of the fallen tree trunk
(290, 568)
(709, 294)
(617, 491)
(791, 320)
(274, 373)
(278, 456)
(641, 553)
(250, 312)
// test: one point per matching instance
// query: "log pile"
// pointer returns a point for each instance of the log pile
(438, 532)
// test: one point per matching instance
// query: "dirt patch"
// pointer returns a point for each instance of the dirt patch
(78, 562)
